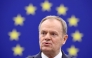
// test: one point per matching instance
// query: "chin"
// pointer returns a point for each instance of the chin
(46, 49)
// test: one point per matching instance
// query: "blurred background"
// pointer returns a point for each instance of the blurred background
(19, 20)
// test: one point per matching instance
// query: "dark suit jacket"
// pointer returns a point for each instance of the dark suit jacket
(39, 55)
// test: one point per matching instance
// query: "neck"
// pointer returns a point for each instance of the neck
(51, 53)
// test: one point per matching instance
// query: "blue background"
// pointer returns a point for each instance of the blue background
(28, 39)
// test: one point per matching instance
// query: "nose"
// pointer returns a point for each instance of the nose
(47, 37)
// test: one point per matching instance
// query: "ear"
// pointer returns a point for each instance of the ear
(65, 38)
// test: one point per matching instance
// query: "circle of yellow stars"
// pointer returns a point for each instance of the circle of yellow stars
(46, 6)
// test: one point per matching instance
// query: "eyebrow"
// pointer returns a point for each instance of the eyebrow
(50, 31)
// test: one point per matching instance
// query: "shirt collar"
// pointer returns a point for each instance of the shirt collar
(59, 55)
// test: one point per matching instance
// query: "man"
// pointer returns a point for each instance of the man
(52, 36)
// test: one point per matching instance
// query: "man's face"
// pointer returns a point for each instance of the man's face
(51, 37)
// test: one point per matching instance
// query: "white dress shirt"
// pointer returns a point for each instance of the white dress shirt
(59, 55)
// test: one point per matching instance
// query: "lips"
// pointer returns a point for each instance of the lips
(46, 44)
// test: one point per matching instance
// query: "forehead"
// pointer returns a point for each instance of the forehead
(52, 24)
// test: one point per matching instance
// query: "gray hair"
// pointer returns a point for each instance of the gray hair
(63, 23)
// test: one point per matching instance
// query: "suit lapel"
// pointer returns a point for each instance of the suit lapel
(64, 55)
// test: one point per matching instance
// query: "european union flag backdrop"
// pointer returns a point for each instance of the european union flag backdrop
(19, 20)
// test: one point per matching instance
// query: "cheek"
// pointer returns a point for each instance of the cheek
(57, 42)
(40, 40)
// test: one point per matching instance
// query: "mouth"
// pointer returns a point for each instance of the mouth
(46, 44)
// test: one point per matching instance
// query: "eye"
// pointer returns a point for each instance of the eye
(43, 33)
(53, 33)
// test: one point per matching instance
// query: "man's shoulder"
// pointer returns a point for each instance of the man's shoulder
(65, 55)
(30, 57)
(35, 56)
(68, 56)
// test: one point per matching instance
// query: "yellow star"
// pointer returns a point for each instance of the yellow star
(73, 21)
(18, 20)
(72, 51)
(61, 10)
(18, 50)
(46, 6)
(77, 36)
(30, 9)
(14, 35)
